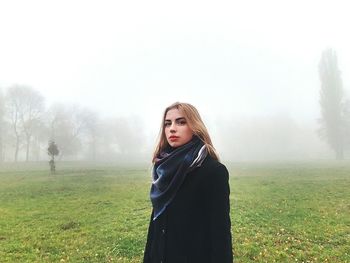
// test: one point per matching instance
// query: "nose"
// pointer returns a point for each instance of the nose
(172, 127)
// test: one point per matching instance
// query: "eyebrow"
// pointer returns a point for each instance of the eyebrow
(177, 119)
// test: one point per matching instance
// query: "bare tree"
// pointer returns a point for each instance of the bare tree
(107, 140)
(61, 129)
(68, 124)
(25, 106)
(2, 122)
(122, 139)
(39, 139)
(129, 136)
(92, 132)
(331, 102)
(13, 109)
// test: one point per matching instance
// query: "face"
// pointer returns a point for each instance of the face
(176, 128)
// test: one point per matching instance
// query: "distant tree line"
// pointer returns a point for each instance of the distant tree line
(26, 127)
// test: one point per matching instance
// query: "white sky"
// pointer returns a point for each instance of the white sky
(136, 57)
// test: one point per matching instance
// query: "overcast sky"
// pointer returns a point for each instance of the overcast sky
(247, 58)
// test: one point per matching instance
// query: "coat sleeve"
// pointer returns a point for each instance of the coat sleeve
(147, 252)
(220, 222)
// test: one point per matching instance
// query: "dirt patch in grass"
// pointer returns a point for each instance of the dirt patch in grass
(69, 225)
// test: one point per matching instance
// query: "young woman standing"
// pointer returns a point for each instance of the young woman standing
(190, 220)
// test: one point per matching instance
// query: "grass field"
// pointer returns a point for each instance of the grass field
(280, 212)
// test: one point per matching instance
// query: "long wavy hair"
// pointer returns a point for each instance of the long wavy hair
(195, 123)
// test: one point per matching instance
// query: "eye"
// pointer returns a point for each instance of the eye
(167, 124)
(182, 122)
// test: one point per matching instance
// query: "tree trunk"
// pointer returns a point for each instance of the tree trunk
(1, 148)
(1, 144)
(17, 149)
(37, 149)
(27, 150)
(340, 153)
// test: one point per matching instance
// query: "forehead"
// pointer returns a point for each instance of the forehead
(174, 114)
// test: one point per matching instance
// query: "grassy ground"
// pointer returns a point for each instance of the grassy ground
(280, 212)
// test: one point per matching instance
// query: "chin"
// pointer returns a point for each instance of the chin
(175, 144)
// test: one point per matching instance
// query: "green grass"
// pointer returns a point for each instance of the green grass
(280, 212)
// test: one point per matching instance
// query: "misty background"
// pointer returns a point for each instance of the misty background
(96, 76)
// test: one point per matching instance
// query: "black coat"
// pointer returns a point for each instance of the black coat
(196, 226)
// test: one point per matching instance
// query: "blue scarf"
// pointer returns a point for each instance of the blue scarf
(170, 170)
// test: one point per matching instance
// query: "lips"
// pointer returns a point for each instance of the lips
(172, 138)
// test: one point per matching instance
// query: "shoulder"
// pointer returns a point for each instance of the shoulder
(214, 168)
(215, 177)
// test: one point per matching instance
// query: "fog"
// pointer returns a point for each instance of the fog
(106, 70)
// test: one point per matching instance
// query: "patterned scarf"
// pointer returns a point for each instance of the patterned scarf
(170, 170)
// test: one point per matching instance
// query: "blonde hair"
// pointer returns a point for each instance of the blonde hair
(195, 123)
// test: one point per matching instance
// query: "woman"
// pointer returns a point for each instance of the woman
(190, 220)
